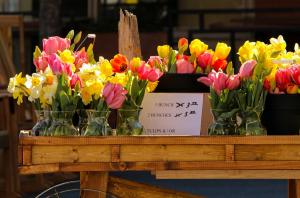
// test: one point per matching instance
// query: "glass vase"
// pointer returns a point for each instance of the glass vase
(82, 120)
(250, 123)
(97, 124)
(128, 122)
(224, 123)
(42, 124)
(61, 124)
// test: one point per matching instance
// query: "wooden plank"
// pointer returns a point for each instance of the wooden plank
(131, 153)
(95, 181)
(207, 117)
(187, 140)
(154, 166)
(129, 189)
(228, 174)
(267, 152)
(56, 154)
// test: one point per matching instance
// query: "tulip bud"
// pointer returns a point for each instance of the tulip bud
(163, 51)
(233, 82)
(184, 67)
(283, 79)
(247, 68)
(183, 45)
(204, 60)
(295, 73)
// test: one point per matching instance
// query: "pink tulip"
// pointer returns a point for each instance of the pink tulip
(114, 95)
(154, 74)
(283, 79)
(75, 80)
(184, 67)
(55, 64)
(41, 62)
(143, 71)
(295, 73)
(219, 83)
(55, 44)
(246, 69)
(154, 61)
(208, 81)
(80, 58)
(233, 82)
(58, 67)
(204, 60)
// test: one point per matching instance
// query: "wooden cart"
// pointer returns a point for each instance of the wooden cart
(168, 157)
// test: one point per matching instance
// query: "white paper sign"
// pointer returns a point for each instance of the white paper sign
(172, 113)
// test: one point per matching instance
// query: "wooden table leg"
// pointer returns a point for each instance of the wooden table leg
(294, 188)
(95, 181)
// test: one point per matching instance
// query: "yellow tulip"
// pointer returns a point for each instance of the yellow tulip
(221, 52)
(67, 57)
(163, 51)
(197, 47)
(246, 51)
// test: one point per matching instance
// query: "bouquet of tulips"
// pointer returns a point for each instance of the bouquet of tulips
(223, 87)
(198, 59)
(137, 77)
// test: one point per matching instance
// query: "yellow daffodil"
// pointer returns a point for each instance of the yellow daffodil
(85, 95)
(151, 86)
(260, 51)
(246, 51)
(119, 78)
(17, 87)
(197, 47)
(106, 68)
(34, 83)
(163, 50)
(222, 51)
(277, 45)
(67, 57)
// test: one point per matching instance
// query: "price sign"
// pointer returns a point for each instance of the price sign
(172, 113)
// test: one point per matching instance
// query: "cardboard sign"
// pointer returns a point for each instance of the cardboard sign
(172, 113)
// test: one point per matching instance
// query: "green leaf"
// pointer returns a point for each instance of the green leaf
(172, 62)
(64, 101)
(134, 89)
(70, 35)
(37, 52)
(77, 37)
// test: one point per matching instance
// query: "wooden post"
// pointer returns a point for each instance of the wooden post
(95, 181)
(294, 188)
(129, 39)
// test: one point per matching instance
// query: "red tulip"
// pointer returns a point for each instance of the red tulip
(145, 72)
(247, 68)
(114, 95)
(204, 60)
(75, 80)
(233, 82)
(184, 67)
(80, 58)
(295, 73)
(119, 63)
(41, 63)
(283, 79)
(55, 44)
(219, 64)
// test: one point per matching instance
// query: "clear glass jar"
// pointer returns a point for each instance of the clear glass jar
(224, 123)
(128, 122)
(97, 124)
(251, 123)
(62, 124)
(42, 124)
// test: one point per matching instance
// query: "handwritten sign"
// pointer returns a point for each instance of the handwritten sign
(172, 113)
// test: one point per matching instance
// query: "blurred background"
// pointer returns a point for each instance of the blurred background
(23, 23)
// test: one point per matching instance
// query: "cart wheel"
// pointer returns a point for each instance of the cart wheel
(70, 189)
